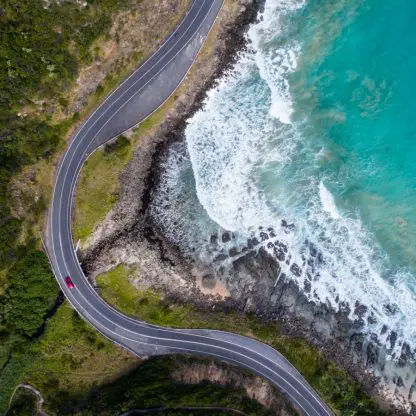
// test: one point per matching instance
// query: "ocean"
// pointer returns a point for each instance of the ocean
(315, 126)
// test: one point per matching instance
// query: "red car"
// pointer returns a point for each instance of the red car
(68, 282)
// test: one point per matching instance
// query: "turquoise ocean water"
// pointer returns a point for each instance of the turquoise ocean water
(315, 124)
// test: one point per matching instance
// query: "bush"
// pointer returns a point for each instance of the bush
(30, 293)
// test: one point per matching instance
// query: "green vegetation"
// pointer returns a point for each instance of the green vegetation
(152, 385)
(335, 386)
(23, 404)
(30, 293)
(40, 51)
(74, 367)
(70, 356)
(98, 186)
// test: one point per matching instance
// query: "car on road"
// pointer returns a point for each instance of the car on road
(68, 282)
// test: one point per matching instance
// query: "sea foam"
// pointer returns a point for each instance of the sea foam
(243, 150)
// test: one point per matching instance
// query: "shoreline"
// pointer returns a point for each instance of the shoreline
(129, 236)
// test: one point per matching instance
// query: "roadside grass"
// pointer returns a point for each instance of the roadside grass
(98, 186)
(334, 385)
(73, 356)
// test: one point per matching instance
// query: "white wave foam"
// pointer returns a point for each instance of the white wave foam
(328, 201)
(274, 64)
(241, 156)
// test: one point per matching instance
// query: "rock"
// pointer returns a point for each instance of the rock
(371, 319)
(280, 255)
(372, 355)
(392, 338)
(406, 355)
(226, 237)
(360, 310)
(214, 239)
(399, 382)
(232, 252)
(295, 269)
(220, 257)
(251, 242)
(264, 236)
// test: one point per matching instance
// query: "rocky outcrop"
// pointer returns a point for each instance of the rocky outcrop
(256, 388)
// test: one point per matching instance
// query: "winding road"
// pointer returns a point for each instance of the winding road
(137, 97)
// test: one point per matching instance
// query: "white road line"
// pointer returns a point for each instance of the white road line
(72, 184)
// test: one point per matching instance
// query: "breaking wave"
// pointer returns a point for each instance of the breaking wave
(252, 160)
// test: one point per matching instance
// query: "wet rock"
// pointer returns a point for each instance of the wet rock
(391, 309)
(208, 281)
(264, 236)
(220, 257)
(307, 286)
(357, 342)
(406, 355)
(279, 254)
(360, 309)
(287, 226)
(295, 269)
(271, 232)
(371, 319)
(392, 338)
(233, 252)
(252, 242)
(372, 355)
(399, 382)
(213, 239)
(226, 237)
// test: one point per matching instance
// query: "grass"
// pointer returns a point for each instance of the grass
(98, 186)
(336, 387)
(74, 367)
(69, 357)
(72, 356)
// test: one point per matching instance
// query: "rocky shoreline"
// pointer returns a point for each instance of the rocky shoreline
(253, 277)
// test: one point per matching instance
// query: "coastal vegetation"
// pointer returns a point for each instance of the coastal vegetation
(98, 185)
(43, 46)
(337, 388)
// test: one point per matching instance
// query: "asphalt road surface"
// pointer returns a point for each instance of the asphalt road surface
(137, 97)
